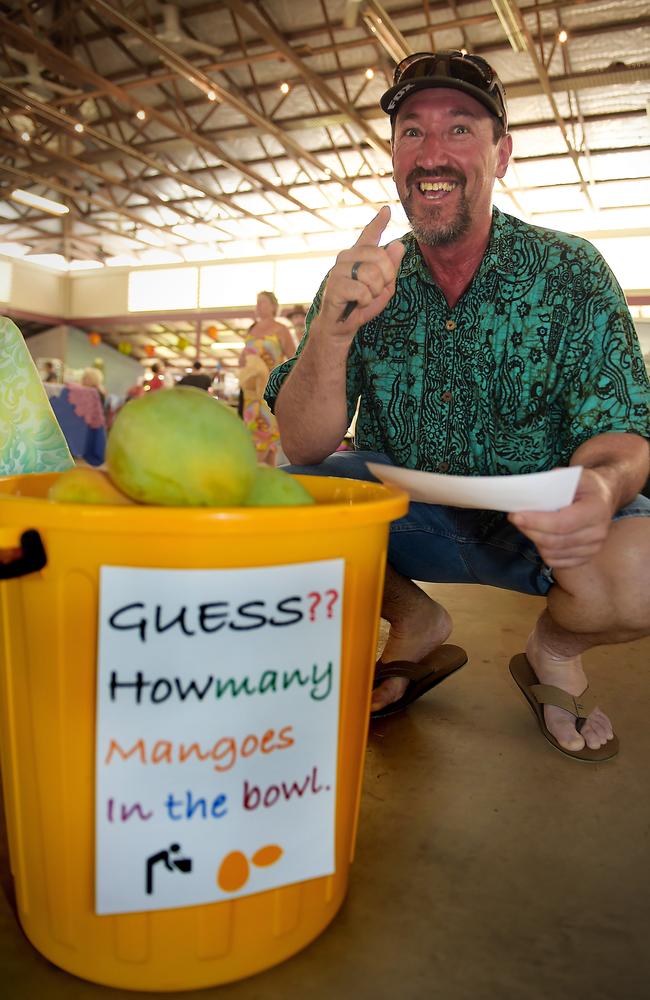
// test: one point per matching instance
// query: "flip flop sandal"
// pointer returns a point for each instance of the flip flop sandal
(537, 695)
(422, 676)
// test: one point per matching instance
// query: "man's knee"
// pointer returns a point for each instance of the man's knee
(612, 590)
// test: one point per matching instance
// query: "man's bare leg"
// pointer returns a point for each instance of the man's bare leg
(599, 603)
(603, 602)
(417, 626)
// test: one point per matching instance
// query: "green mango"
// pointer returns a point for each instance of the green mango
(86, 485)
(275, 488)
(181, 447)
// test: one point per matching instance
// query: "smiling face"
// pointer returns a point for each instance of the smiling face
(445, 162)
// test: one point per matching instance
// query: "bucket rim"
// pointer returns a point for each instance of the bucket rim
(340, 503)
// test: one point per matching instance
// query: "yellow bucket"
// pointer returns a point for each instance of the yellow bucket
(54, 557)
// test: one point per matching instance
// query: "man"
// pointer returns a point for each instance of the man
(297, 316)
(197, 377)
(480, 345)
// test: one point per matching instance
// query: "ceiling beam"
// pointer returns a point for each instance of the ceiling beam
(102, 204)
(622, 76)
(315, 79)
(54, 160)
(210, 86)
(542, 73)
(124, 77)
(70, 68)
(156, 164)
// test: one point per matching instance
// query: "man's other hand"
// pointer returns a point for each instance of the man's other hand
(575, 534)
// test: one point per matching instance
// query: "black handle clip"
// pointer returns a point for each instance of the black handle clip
(32, 559)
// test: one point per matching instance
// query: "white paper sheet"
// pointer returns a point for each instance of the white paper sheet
(537, 491)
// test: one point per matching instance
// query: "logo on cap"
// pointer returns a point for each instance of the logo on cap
(399, 95)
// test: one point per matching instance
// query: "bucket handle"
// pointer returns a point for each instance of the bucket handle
(32, 559)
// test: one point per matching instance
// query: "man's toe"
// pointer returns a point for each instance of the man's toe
(570, 741)
(562, 725)
(603, 723)
(597, 730)
(389, 691)
(568, 736)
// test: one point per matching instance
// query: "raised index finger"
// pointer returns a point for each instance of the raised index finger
(371, 235)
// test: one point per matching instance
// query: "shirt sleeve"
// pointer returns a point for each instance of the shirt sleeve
(281, 372)
(606, 384)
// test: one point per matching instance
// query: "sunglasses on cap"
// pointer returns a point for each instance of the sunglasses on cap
(452, 68)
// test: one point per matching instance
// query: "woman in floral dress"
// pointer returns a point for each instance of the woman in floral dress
(267, 343)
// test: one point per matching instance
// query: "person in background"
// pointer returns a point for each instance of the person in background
(297, 316)
(49, 372)
(158, 378)
(93, 378)
(197, 377)
(480, 345)
(266, 344)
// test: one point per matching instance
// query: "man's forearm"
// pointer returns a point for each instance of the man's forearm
(623, 461)
(311, 408)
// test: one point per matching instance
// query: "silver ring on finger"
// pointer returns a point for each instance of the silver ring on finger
(355, 270)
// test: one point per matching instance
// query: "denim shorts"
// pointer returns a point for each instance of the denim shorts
(437, 544)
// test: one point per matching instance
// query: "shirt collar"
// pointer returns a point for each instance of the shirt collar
(413, 261)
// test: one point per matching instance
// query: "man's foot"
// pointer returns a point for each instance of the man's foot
(568, 675)
(421, 632)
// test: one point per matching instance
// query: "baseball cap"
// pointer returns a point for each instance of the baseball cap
(452, 68)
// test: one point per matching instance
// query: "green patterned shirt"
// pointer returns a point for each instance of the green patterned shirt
(537, 356)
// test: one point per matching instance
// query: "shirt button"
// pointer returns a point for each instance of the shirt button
(443, 466)
(450, 325)
(446, 397)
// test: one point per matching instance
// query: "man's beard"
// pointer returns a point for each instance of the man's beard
(431, 234)
(429, 231)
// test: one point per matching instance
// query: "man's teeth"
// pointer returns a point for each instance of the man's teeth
(436, 186)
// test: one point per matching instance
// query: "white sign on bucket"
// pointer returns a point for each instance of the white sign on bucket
(217, 732)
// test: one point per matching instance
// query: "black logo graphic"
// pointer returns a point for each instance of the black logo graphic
(183, 865)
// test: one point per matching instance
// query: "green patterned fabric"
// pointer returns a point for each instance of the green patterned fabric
(538, 355)
(30, 437)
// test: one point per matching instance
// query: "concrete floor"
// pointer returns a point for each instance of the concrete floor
(488, 866)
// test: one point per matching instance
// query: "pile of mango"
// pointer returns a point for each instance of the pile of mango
(180, 448)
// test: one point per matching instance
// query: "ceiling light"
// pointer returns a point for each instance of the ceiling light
(25, 136)
(55, 260)
(141, 114)
(35, 201)
(370, 73)
(84, 265)
(510, 16)
(13, 249)
(211, 95)
(78, 127)
(284, 87)
(562, 37)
